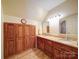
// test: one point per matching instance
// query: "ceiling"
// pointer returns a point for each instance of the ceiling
(31, 9)
(67, 8)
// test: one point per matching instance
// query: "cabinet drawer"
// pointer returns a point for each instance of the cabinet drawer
(49, 48)
(40, 43)
(62, 46)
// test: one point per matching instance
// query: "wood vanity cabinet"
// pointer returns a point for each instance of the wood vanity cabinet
(17, 38)
(40, 43)
(57, 50)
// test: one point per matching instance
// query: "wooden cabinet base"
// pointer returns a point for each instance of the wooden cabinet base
(56, 50)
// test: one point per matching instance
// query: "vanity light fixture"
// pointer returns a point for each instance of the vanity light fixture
(60, 15)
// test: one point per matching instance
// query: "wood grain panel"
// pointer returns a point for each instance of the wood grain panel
(9, 39)
(32, 30)
(19, 39)
(32, 41)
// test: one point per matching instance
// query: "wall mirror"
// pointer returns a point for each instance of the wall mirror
(65, 27)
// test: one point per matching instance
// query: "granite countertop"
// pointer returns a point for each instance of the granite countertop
(60, 40)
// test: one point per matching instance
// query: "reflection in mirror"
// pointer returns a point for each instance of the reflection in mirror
(64, 28)
(62, 21)
(71, 25)
(48, 29)
(45, 27)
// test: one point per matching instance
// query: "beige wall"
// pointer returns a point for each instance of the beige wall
(13, 19)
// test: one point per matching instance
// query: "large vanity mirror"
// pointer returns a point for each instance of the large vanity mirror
(66, 27)
(62, 21)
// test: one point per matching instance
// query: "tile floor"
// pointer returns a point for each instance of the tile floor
(30, 54)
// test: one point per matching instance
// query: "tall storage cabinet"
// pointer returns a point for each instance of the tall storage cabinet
(17, 38)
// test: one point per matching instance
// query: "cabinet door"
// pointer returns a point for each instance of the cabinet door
(9, 39)
(32, 41)
(11, 47)
(10, 34)
(32, 36)
(26, 37)
(19, 38)
(26, 43)
(49, 48)
(5, 40)
(57, 54)
(32, 30)
(26, 30)
(40, 43)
